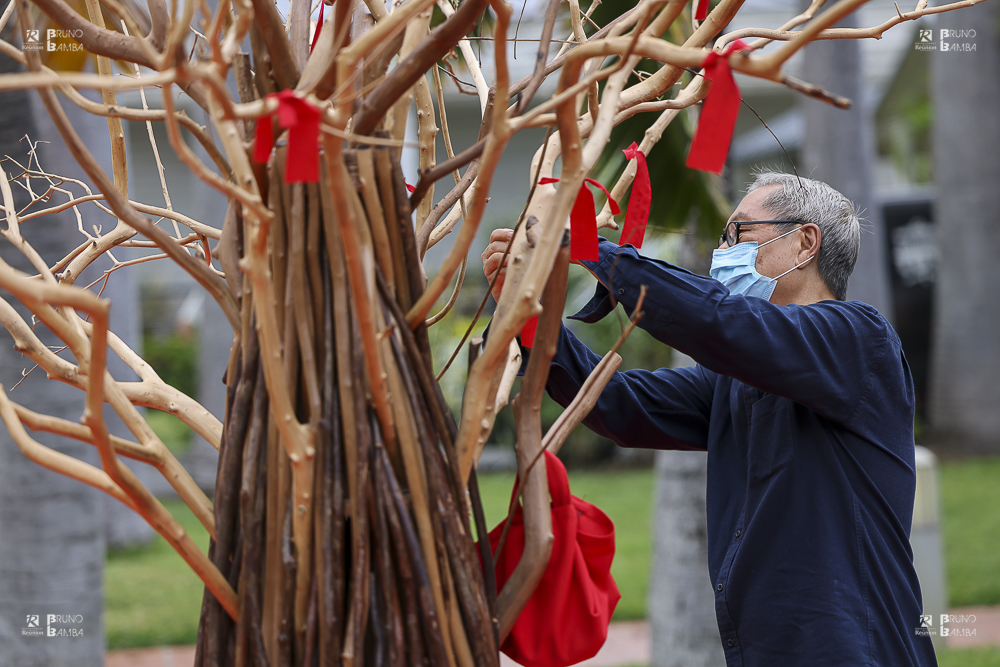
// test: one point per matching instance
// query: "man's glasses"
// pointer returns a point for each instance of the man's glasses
(731, 234)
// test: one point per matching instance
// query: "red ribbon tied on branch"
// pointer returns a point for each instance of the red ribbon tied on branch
(583, 220)
(701, 13)
(583, 239)
(718, 113)
(638, 203)
(301, 118)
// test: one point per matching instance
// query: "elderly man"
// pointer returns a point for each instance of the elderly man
(804, 403)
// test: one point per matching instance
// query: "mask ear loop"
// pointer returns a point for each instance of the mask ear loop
(793, 268)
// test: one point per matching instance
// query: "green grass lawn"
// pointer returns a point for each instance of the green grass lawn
(152, 597)
(987, 656)
(970, 492)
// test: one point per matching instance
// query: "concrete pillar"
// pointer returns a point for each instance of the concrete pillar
(51, 537)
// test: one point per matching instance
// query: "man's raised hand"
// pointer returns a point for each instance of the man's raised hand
(493, 255)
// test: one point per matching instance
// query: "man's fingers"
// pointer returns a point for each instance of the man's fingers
(495, 247)
(491, 263)
(501, 234)
(493, 255)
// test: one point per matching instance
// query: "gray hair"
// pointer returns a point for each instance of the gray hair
(834, 214)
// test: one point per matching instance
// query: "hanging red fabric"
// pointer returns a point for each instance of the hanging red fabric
(637, 215)
(702, 12)
(319, 26)
(301, 118)
(263, 141)
(718, 113)
(528, 332)
(583, 239)
(566, 619)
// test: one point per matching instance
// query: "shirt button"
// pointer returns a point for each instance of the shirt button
(737, 532)
(730, 643)
(621, 290)
(719, 588)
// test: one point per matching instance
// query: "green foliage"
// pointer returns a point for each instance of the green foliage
(970, 494)
(175, 360)
(151, 596)
(905, 118)
(174, 433)
(680, 195)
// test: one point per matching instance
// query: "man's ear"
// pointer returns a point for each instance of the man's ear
(809, 241)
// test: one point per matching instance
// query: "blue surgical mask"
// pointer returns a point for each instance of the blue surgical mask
(736, 268)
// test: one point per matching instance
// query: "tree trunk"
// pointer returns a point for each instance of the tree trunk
(681, 605)
(965, 353)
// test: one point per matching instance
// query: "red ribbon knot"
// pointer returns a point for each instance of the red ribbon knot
(301, 118)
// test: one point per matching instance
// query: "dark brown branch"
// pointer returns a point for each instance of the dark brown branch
(429, 617)
(812, 90)
(430, 50)
(252, 490)
(442, 169)
(272, 29)
(443, 206)
(527, 412)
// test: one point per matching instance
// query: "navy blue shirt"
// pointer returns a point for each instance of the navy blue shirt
(806, 413)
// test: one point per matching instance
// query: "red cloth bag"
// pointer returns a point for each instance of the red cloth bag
(566, 620)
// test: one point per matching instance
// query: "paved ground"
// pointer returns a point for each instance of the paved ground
(628, 643)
